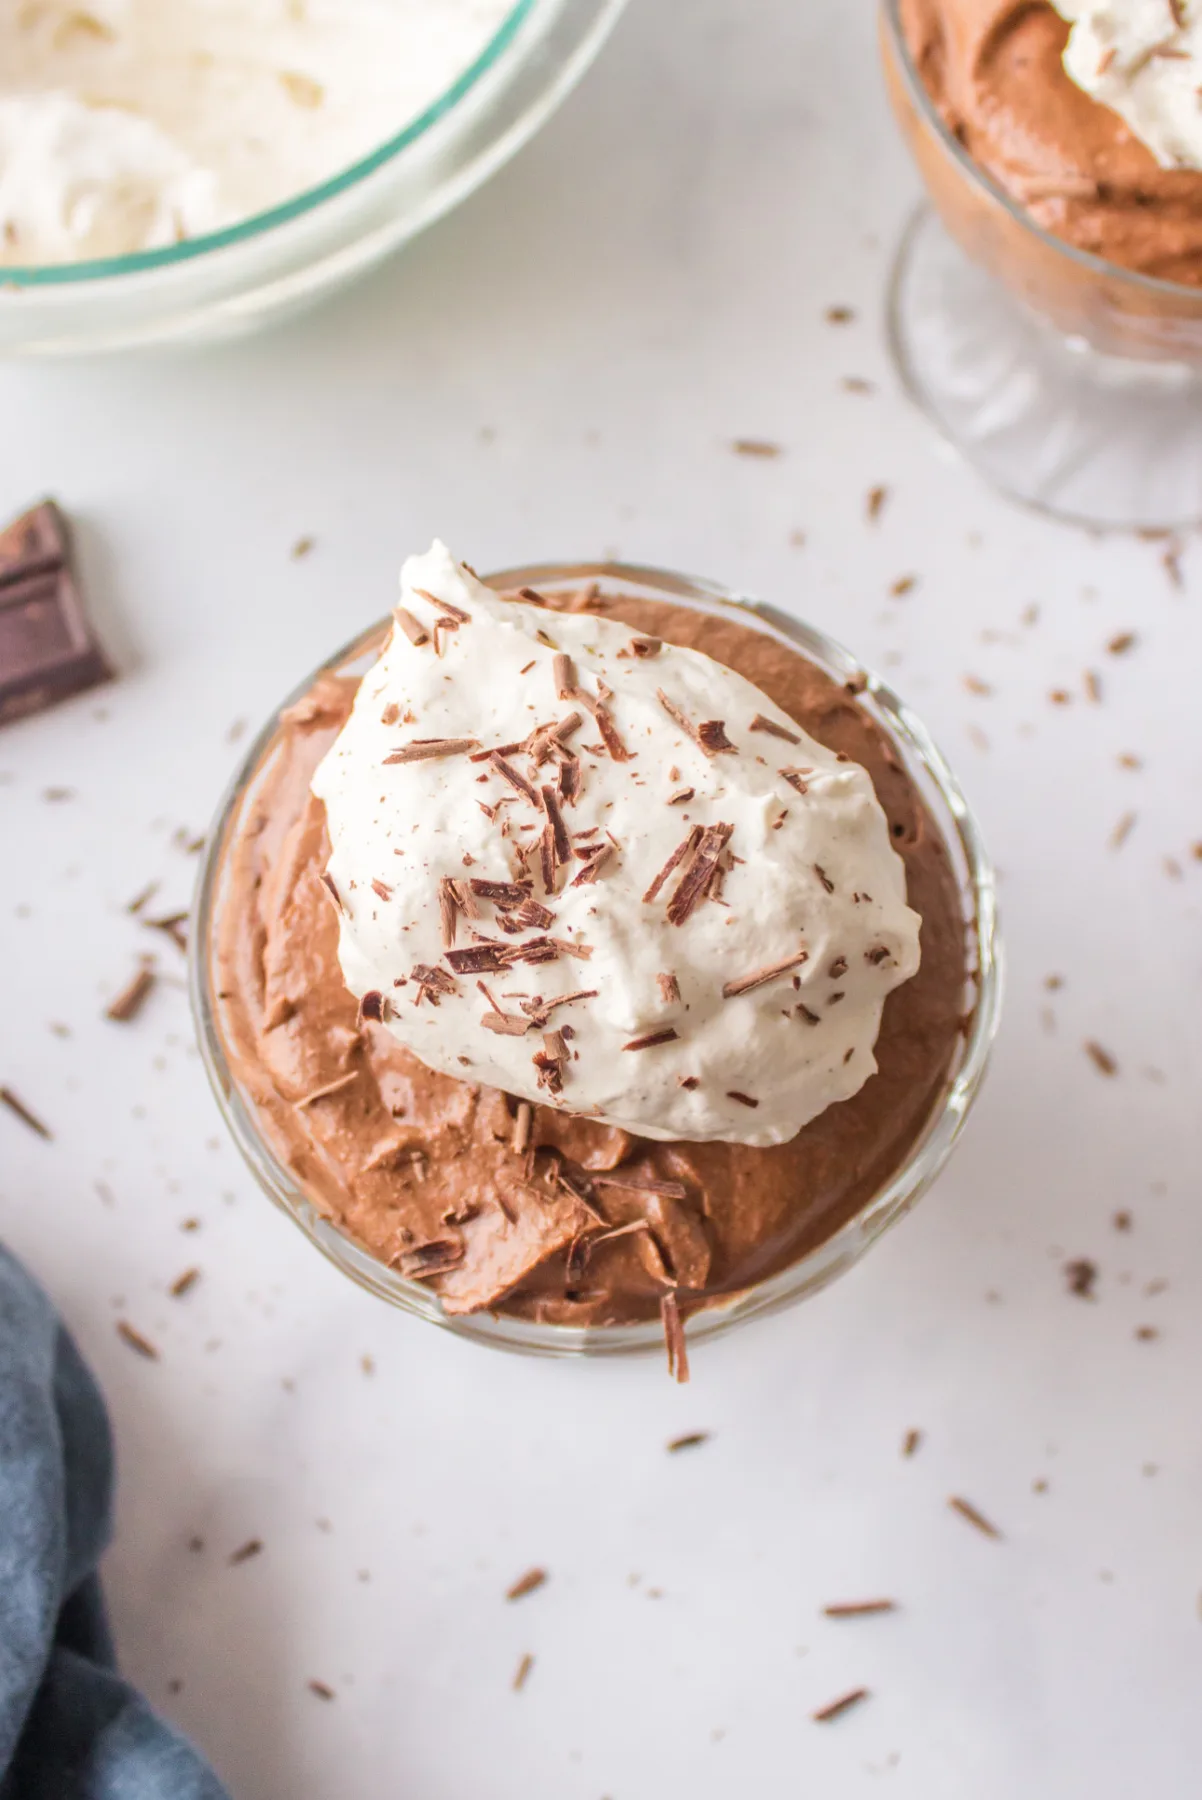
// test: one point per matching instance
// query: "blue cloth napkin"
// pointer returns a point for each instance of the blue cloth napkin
(70, 1727)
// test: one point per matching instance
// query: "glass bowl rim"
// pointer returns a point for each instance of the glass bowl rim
(924, 104)
(811, 1272)
(29, 278)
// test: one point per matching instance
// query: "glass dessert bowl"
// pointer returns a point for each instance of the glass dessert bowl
(1071, 382)
(224, 283)
(957, 1016)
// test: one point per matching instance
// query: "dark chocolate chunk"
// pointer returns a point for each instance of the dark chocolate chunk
(48, 650)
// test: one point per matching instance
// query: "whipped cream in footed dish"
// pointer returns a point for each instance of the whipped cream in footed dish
(1143, 59)
(130, 124)
(605, 874)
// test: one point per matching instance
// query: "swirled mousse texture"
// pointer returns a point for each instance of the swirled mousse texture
(1067, 146)
(536, 1209)
(601, 870)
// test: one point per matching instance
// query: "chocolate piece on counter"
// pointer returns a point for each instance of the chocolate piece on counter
(48, 650)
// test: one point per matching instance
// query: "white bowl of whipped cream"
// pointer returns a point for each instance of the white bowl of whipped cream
(176, 170)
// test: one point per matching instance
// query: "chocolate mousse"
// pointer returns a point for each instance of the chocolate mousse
(525, 1206)
(995, 71)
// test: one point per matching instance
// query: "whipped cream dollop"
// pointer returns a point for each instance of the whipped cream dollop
(129, 124)
(605, 874)
(1143, 59)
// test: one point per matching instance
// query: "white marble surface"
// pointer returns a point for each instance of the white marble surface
(556, 371)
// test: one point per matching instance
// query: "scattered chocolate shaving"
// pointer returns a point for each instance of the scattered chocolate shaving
(840, 315)
(549, 1070)
(322, 1689)
(905, 584)
(561, 844)
(505, 893)
(858, 1609)
(448, 912)
(426, 1260)
(135, 1340)
(512, 776)
(144, 898)
(505, 1024)
(563, 670)
(1081, 1276)
(444, 606)
(682, 850)
(804, 1012)
(327, 882)
(745, 984)
(761, 723)
(968, 1511)
(371, 1006)
(174, 926)
(691, 1440)
(529, 914)
(651, 1038)
(413, 629)
(1101, 1058)
(435, 980)
(532, 596)
(427, 749)
(540, 1010)
(824, 878)
(23, 1113)
(688, 1081)
(646, 646)
(522, 1675)
(251, 1548)
(183, 1284)
(834, 1708)
(743, 1099)
(669, 988)
(1121, 1221)
(880, 953)
(609, 735)
(838, 968)
(1122, 642)
(569, 781)
(1123, 830)
(875, 503)
(695, 881)
(711, 735)
(593, 866)
(479, 959)
(681, 795)
(547, 860)
(1146, 1334)
(674, 1337)
(911, 1441)
(129, 1002)
(762, 447)
(641, 1184)
(381, 889)
(527, 1584)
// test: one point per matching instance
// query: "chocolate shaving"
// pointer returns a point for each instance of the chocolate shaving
(968, 1511)
(523, 1121)
(479, 959)
(546, 857)
(804, 1012)
(564, 672)
(372, 1005)
(512, 776)
(674, 1338)
(183, 1284)
(858, 1609)
(838, 968)
(444, 606)
(522, 1674)
(382, 889)
(593, 867)
(414, 630)
(795, 778)
(669, 988)
(529, 914)
(650, 1039)
(711, 735)
(435, 981)
(555, 1044)
(130, 1000)
(505, 893)
(695, 881)
(569, 781)
(448, 911)
(22, 1112)
(245, 1552)
(681, 794)
(561, 844)
(745, 984)
(327, 881)
(691, 1440)
(760, 723)
(678, 855)
(844, 1703)
(503, 1023)
(135, 1340)
(911, 1441)
(427, 749)
(743, 1099)
(1081, 1277)
(426, 1260)
(824, 878)
(642, 1184)
(609, 736)
(646, 646)
(174, 926)
(540, 1010)
(526, 1584)
(1101, 1059)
